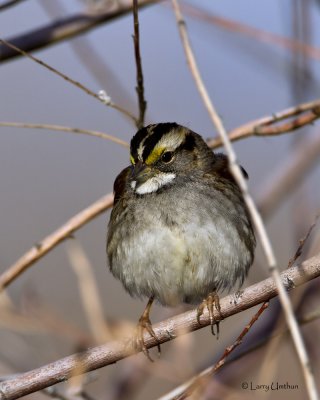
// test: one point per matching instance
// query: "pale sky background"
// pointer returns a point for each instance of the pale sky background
(47, 177)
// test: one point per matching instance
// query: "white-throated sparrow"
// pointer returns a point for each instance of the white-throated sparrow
(179, 230)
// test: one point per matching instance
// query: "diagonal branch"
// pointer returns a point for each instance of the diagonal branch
(112, 352)
(65, 231)
(305, 114)
(306, 319)
(291, 44)
(65, 28)
(199, 381)
(9, 3)
(254, 213)
(104, 99)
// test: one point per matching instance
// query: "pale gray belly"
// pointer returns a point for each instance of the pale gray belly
(180, 265)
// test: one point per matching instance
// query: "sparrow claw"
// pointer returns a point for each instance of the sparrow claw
(145, 324)
(211, 301)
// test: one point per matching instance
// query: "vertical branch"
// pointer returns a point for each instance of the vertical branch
(256, 217)
(88, 291)
(301, 83)
(140, 86)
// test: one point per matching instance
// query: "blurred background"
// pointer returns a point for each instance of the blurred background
(248, 54)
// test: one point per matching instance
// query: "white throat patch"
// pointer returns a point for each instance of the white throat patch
(153, 184)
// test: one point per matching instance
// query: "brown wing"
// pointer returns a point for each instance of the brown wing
(221, 165)
(120, 184)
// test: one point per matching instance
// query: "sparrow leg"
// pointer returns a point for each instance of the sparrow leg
(211, 301)
(145, 324)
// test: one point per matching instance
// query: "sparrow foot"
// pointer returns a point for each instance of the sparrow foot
(211, 301)
(145, 324)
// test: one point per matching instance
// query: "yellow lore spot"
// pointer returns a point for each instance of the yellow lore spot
(155, 155)
(132, 160)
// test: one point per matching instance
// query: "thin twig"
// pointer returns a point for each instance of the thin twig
(93, 60)
(60, 128)
(304, 320)
(302, 242)
(139, 87)
(260, 127)
(9, 3)
(200, 380)
(256, 218)
(66, 28)
(65, 231)
(112, 352)
(306, 113)
(239, 339)
(79, 85)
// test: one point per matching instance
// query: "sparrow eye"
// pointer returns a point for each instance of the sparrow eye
(167, 156)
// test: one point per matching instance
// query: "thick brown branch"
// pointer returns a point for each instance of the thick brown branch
(112, 352)
(64, 28)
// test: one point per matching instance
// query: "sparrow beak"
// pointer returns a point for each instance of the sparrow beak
(141, 173)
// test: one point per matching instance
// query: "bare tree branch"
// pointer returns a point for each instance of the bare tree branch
(200, 380)
(257, 34)
(102, 98)
(260, 127)
(139, 88)
(60, 128)
(112, 352)
(256, 217)
(93, 59)
(65, 28)
(302, 242)
(306, 319)
(9, 3)
(65, 231)
(306, 113)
